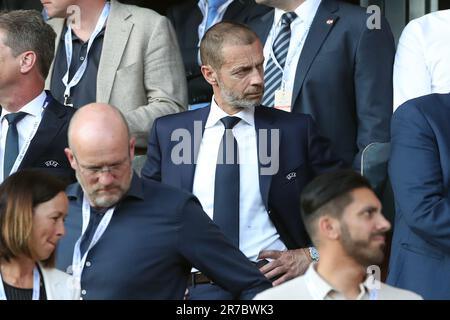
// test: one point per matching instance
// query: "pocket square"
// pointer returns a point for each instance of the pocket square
(52, 163)
(291, 175)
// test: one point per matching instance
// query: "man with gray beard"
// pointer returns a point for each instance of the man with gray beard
(245, 163)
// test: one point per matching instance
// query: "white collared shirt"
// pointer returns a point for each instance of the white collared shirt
(34, 110)
(256, 230)
(311, 286)
(299, 30)
(422, 61)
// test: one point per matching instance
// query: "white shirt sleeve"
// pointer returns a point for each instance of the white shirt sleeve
(411, 75)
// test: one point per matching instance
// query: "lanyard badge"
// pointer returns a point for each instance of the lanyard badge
(69, 52)
(79, 261)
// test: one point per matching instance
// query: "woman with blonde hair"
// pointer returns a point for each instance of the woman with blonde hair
(33, 206)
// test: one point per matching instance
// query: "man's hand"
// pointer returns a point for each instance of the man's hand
(286, 264)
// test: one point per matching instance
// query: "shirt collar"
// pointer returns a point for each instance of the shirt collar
(34, 107)
(318, 287)
(305, 12)
(321, 289)
(74, 191)
(216, 113)
(75, 37)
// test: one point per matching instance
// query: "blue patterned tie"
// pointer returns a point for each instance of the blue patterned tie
(12, 142)
(226, 186)
(213, 7)
(273, 75)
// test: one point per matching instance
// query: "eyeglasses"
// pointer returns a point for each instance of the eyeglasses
(114, 169)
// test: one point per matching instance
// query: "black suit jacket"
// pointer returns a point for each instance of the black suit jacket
(344, 77)
(46, 150)
(186, 18)
(20, 5)
(303, 154)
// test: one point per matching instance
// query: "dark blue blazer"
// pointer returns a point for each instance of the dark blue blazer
(303, 154)
(46, 150)
(344, 77)
(157, 233)
(419, 169)
(186, 17)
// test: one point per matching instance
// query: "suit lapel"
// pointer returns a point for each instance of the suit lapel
(264, 122)
(264, 25)
(193, 125)
(57, 25)
(322, 24)
(48, 128)
(191, 38)
(117, 33)
(235, 9)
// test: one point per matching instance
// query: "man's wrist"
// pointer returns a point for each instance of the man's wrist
(313, 254)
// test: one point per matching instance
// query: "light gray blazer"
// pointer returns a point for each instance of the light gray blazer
(141, 70)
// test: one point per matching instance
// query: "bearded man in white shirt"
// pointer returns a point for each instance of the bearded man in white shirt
(343, 218)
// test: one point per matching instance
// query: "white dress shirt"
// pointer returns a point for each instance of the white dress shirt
(25, 127)
(311, 286)
(299, 31)
(256, 230)
(422, 61)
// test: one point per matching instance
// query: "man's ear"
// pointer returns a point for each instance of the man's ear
(71, 158)
(209, 74)
(132, 147)
(27, 61)
(329, 227)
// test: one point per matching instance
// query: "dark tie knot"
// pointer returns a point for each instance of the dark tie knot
(13, 118)
(230, 122)
(287, 18)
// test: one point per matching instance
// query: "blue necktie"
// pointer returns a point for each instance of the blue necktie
(226, 186)
(12, 142)
(273, 75)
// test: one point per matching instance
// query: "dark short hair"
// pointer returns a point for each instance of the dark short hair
(20, 193)
(329, 194)
(26, 30)
(225, 32)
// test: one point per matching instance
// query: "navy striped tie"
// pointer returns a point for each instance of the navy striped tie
(273, 75)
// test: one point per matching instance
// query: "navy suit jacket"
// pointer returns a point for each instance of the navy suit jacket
(156, 234)
(419, 169)
(303, 154)
(46, 150)
(186, 17)
(344, 77)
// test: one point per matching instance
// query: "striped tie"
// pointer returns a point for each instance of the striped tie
(273, 74)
